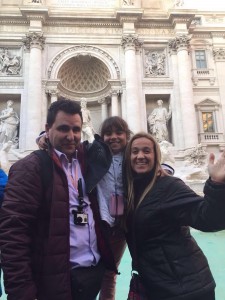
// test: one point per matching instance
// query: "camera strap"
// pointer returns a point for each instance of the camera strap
(80, 195)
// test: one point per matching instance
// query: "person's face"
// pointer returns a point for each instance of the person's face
(142, 155)
(65, 133)
(116, 140)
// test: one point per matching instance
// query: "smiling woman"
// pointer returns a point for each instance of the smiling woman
(160, 209)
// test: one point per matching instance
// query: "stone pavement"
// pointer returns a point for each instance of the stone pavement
(212, 244)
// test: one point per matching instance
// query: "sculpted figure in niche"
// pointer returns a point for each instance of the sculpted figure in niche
(87, 128)
(9, 124)
(157, 121)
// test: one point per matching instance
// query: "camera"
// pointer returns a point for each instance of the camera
(79, 218)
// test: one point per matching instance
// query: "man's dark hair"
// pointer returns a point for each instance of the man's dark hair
(65, 105)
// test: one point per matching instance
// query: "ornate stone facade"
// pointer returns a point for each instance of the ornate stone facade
(121, 56)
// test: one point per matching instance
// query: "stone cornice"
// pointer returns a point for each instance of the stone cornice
(162, 82)
(82, 24)
(201, 35)
(154, 25)
(129, 16)
(39, 13)
(12, 83)
(13, 22)
(184, 18)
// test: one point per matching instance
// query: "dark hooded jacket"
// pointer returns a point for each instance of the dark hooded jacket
(34, 225)
(168, 259)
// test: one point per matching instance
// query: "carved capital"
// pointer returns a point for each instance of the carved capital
(34, 39)
(103, 101)
(52, 92)
(131, 41)
(180, 42)
(172, 46)
(219, 53)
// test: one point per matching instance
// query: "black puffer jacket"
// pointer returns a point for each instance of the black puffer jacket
(169, 260)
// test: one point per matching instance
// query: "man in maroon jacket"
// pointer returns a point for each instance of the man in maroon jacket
(52, 243)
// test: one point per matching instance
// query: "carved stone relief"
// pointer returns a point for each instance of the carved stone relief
(9, 64)
(219, 53)
(154, 63)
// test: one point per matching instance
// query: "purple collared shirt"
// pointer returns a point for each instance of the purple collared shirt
(83, 241)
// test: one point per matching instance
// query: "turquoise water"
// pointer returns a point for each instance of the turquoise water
(213, 245)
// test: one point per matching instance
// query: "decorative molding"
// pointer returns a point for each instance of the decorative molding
(10, 65)
(13, 22)
(154, 63)
(83, 49)
(104, 101)
(214, 19)
(83, 23)
(219, 53)
(201, 36)
(34, 39)
(131, 41)
(11, 84)
(179, 42)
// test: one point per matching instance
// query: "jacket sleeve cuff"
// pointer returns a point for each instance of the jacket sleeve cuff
(214, 189)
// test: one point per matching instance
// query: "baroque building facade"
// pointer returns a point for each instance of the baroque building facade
(121, 56)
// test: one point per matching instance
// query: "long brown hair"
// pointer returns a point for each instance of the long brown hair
(129, 172)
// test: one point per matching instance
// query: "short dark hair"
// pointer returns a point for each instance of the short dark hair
(65, 105)
(114, 123)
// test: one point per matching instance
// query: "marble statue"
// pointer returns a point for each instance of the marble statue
(166, 153)
(87, 128)
(157, 121)
(4, 160)
(196, 156)
(9, 124)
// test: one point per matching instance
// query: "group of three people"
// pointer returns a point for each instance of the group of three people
(64, 240)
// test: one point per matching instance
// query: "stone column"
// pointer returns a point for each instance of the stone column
(219, 56)
(177, 131)
(35, 42)
(123, 102)
(189, 123)
(24, 100)
(104, 108)
(129, 43)
(142, 101)
(114, 103)
(54, 96)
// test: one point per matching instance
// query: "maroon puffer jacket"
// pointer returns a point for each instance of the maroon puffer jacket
(34, 234)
